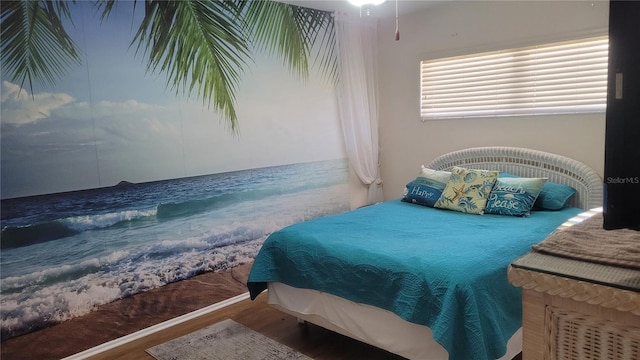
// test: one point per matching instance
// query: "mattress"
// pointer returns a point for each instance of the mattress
(367, 323)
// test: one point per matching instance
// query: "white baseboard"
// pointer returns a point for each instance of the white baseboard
(155, 328)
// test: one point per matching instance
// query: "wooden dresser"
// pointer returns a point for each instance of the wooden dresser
(577, 310)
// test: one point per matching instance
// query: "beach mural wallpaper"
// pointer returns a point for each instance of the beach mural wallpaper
(113, 183)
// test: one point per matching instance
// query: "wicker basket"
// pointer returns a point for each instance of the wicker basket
(575, 336)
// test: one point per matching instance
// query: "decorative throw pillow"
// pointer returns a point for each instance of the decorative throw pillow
(514, 195)
(554, 196)
(427, 187)
(467, 190)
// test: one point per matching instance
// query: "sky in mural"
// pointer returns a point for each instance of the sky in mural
(110, 120)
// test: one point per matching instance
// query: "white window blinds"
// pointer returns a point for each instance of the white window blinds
(557, 78)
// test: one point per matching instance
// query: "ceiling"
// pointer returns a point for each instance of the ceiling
(385, 10)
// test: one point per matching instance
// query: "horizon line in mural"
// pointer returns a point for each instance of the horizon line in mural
(108, 141)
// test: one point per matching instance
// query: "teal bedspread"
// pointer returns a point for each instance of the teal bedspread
(443, 269)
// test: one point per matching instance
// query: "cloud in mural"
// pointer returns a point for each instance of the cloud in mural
(129, 120)
(84, 110)
(20, 108)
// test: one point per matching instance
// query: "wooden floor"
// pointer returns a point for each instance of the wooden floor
(308, 339)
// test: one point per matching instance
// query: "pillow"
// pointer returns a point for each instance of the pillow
(440, 175)
(553, 196)
(467, 190)
(427, 187)
(514, 195)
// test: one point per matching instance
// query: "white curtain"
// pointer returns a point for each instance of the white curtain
(357, 99)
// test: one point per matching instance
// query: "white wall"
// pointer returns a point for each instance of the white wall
(458, 27)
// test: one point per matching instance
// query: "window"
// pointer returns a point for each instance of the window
(557, 78)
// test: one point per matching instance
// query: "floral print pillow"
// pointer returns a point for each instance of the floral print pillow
(467, 190)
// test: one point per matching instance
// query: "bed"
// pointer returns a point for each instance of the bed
(419, 281)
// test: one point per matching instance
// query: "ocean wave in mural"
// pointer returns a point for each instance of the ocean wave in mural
(65, 253)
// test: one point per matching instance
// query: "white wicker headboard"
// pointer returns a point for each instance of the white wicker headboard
(530, 163)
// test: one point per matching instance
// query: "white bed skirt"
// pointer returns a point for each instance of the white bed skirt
(369, 324)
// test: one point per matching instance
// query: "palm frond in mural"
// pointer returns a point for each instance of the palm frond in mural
(35, 46)
(293, 33)
(202, 46)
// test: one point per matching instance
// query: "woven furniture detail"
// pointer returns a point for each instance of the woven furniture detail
(530, 163)
(594, 294)
(575, 336)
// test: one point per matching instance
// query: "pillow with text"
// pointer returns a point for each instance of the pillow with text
(514, 196)
(427, 187)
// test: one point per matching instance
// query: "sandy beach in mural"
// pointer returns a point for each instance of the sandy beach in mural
(126, 316)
